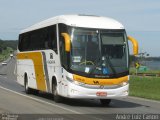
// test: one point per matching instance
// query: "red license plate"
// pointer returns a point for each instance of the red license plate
(101, 93)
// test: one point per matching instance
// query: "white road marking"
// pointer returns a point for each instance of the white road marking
(40, 100)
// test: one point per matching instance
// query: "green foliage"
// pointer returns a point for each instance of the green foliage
(8, 43)
(7, 47)
(5, 53)
(132, 71)
(145, 87)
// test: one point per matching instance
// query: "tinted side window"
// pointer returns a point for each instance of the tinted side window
(41, 39)
(23, 42)
(37, 39)
(51, 41)
(20, 45)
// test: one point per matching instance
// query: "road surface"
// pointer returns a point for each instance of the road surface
(13, 100)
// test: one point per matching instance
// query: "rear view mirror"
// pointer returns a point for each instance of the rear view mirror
(67, 41)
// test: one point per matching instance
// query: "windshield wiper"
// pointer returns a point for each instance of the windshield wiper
(98, 63)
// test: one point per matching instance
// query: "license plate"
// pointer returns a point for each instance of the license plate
(101, 93)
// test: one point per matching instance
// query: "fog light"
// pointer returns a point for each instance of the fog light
(124, 83)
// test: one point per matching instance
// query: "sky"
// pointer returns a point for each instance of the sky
(141, 18)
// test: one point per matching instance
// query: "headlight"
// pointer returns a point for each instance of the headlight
(74, 81)
(78, 83)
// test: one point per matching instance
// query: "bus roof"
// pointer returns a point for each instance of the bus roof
(88, 21)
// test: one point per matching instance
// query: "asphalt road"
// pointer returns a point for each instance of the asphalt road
(14, 100)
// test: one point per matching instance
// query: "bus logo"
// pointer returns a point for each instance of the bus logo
(96, 82)
(51, 55)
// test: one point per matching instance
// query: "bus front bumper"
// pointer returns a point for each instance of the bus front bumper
(76, 91)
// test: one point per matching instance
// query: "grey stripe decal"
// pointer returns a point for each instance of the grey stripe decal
(46, 71)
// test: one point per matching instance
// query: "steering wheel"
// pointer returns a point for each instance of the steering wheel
(85, 62)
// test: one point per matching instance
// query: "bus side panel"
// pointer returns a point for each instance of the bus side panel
(26, 66)
(35, 70)
(64, 87)
(20, 72)
(52, 68)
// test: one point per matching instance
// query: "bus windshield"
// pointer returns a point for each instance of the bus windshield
(99, 53)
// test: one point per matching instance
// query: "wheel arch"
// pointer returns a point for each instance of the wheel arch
(54, 81)
(26, 76)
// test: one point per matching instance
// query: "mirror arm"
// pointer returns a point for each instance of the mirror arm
(135, 45)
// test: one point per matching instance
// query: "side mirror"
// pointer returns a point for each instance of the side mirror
(135, 45)
(67, 40)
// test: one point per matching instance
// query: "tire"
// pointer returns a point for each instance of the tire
(27, 89)
(34, 91)
(56, 97)
(105, 102)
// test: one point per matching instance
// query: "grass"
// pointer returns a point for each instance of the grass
(133, 71)
(145, 87)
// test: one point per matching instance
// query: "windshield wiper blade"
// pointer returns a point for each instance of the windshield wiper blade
(111, 66)
(99, 61)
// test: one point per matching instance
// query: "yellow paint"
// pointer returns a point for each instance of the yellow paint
(36, 57)
(135, 45)
(95, 81)
(67, 41)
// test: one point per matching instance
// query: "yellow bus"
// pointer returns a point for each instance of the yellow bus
(75, 56)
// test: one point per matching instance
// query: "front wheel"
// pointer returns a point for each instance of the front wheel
(105, 102)
(57, 98)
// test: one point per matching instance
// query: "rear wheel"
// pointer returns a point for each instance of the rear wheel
(34, 91)
(27, 89)
(105, 102)
(57, 98)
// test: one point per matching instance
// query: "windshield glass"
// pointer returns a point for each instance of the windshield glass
(98, 52)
